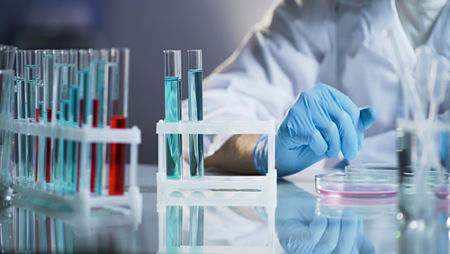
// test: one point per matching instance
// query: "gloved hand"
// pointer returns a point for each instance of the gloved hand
(300, 230)
(320, 124)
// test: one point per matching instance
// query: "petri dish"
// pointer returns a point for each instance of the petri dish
(373, 168)
(357, 184)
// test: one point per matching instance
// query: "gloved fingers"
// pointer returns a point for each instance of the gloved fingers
(347, 132)
(346, 103)
(330, 238)
(366, 119)
(330, 133)
(317, 143)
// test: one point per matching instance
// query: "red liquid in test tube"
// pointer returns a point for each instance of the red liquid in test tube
(94, 146)
(80, 123)
(48, 154)
(36, 140)
(117, 160)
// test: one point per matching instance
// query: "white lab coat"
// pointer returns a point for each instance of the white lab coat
(301, 43)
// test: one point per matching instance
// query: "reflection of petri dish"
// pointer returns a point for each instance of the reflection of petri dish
(373, 168)
(442, 191)
(357, 184)
(345, 207)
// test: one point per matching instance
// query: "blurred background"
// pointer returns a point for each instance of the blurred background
(146, 27)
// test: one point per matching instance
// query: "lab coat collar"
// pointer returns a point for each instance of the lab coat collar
(439, 39)
(380, 25)
(381, 20)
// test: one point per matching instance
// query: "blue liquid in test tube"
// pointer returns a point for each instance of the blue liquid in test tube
(172, 87)
(195, 80)
(195, 101)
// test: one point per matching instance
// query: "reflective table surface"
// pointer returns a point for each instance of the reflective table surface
(305, 223)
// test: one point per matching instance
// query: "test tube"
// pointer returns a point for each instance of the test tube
(195, 101)
(7, 54)
(69, 105)
(172, 87)
(99, 80)
(6, 101)
(118, 113)
(85, 116)
(76, 116)
(64, 76)
(32, 77)
(20, 84)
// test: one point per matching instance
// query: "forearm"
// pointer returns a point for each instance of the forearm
(236, 155)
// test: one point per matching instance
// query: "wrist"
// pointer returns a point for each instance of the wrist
(260, 155)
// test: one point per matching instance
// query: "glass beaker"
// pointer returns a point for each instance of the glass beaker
(423, 162)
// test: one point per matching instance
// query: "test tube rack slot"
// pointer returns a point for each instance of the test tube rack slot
(41, 196)
(223, 191)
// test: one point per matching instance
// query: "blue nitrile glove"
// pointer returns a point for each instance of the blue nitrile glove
(300, 230)
(320, 124)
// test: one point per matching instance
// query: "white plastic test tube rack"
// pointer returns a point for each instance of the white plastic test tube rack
(83, 202)
(243, 191)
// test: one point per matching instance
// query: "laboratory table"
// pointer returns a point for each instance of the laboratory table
(304, 222)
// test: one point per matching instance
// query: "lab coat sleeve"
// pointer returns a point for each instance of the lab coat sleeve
(277, 60)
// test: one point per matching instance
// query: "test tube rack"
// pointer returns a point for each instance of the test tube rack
(42, 195)
(239, 191)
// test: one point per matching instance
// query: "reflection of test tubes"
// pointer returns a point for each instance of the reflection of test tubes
(195, 78)
(118, 113)
(172, 87)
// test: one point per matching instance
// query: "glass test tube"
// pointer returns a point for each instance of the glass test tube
(6, 106)
(84, 112)
(70, 115)
(64, 76)
(32, 77)
(118, 113)
(7, 58)
(195, 101)
(48, 114)
(20, 84)
(99, 79)
(172, 104)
